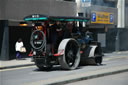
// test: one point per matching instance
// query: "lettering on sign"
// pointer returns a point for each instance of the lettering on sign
(102, 18)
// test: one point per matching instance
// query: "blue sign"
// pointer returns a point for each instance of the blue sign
(110, 18)
(93, 17)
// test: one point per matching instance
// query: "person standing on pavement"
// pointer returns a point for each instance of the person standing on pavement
(18, 46)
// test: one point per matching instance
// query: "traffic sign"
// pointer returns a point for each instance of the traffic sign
(93, 17)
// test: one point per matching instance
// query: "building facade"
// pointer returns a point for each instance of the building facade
(105, 17)
(18, 9)
(86, 7)
(12, 12)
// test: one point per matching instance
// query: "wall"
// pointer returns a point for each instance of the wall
(62, 8)
(116, 40)
(1, 34)
(123, 39)
(111, 40)
(5, 43)
(18, 9)
(2, 9)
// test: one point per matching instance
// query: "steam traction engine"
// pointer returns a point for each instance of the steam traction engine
(58, 40)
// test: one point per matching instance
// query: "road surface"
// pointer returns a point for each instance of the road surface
(32, 75)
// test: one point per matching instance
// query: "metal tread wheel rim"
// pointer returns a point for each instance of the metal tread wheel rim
(71, 58)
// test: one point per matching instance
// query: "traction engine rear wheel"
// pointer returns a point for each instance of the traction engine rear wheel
(71, 58)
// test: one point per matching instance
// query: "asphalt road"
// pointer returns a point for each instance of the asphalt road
(27, 75)
(118, 79)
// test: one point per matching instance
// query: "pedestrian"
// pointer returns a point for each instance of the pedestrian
(19, 44)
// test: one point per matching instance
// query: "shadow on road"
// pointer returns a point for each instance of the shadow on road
(58, 68)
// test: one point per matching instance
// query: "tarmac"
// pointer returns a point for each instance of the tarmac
(66, 79)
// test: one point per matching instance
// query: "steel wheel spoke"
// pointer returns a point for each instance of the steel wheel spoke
(71, 54)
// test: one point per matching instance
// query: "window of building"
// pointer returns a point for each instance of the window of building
(70, 0)
(66, 0)
(104, 3)
(81, 14)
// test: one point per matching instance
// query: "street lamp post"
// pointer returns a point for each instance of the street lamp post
(121, 21)
(121, 13)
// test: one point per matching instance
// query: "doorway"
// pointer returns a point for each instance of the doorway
(16, 32)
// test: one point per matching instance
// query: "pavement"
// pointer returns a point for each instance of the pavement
(15, 63)
(65, 79)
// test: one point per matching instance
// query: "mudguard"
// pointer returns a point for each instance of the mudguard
(92, 51)
(88, 57)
